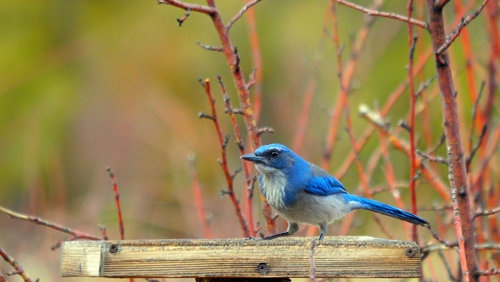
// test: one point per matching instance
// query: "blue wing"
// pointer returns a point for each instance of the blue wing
(323, 184)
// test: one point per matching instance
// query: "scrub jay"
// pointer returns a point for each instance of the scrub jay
(302, 192)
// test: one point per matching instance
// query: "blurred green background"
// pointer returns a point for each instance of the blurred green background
(90, 84)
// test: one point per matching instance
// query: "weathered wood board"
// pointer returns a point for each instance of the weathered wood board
(284, 257)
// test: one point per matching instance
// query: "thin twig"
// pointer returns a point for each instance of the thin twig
(441, 240)
(104, 232)
(208, 47)
(184, 18)
(474, 150)
(474, 114)
(186, 6)
(424, 86)
(117, 200)
(441, 3)
(436, 159)
(19, 269)
(490, 272)
(427, 172)
(447, 266)
(383, 14)
(240, 13)
(348, 74)
(441, 247)
(456, 32)
(248, 192)
(49, 224)
(439, 144)
(486, 213)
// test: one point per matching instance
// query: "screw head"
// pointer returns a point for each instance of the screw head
(262, 268)
(411, 252)
(113, 248)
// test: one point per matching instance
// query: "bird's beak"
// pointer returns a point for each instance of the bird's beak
(253, 158)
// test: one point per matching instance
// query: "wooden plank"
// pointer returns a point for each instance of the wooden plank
(284, 257)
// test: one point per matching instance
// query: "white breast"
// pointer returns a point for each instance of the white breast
(273, 185)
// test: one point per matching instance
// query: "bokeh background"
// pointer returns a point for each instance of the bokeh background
(90, 84)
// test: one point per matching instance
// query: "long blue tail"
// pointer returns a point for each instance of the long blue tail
(371, 205)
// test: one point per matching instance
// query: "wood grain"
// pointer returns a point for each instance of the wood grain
(286, 257)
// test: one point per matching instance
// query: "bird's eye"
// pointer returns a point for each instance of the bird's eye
(274, 154)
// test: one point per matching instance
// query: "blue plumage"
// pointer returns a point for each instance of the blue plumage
(302, 192)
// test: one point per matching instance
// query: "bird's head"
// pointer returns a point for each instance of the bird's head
(271, 158)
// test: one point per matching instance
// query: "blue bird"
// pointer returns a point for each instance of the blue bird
(302, 192)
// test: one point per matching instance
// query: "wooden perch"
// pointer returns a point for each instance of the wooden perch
(286, 257)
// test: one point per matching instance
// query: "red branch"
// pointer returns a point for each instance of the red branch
(117, 200)
(411, 42)
(246, 165)
(40, 221)
(242, 87)
(198, 197)
(457, 171)
(345, 104)
(19, 269)
(223, 161)
(383, 14)
(393, 97)
(431, 176)
(348, 75)
(311, 88)
(257, 60)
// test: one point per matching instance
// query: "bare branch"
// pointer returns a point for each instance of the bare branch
(208, 47)
(463, 23)
(262, 130)
(493, 271)
(184, 18)
(486, 213)
(441, 3)
(474, 150)
(19, 270)
(186, 6)
(49, 224)
(436, 159)
(440, 247)
(240, 13)
(383, 14)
